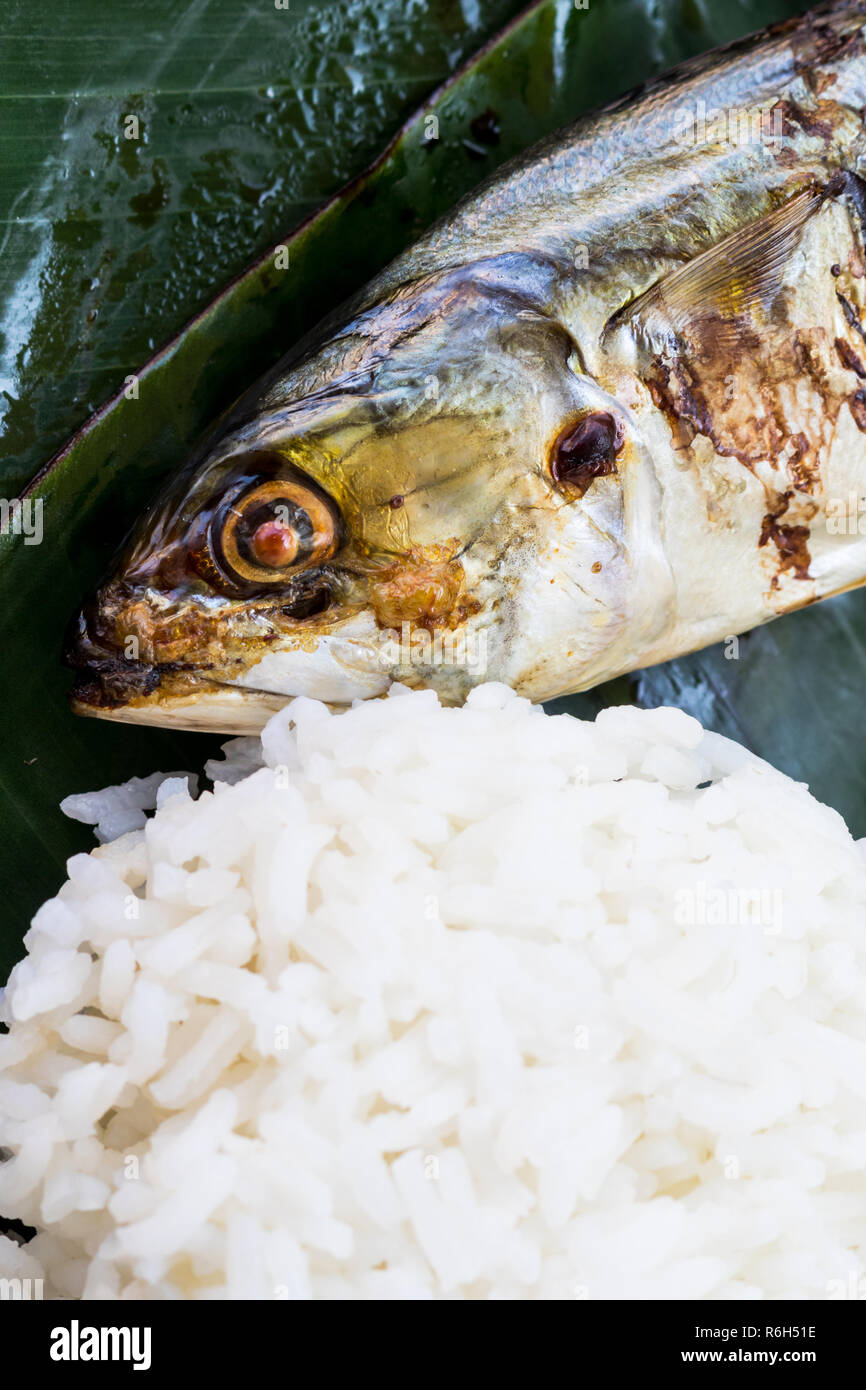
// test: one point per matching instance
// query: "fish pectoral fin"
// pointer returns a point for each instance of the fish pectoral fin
(723, 291)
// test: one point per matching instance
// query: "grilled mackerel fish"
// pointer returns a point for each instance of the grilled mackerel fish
(610, 410)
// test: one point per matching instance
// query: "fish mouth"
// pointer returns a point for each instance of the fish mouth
(229, 695)
(134, 693)
(167, 694)
(200, 706)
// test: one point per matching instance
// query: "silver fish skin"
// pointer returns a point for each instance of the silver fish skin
(610, 410)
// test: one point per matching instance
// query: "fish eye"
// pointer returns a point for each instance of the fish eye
(271, 530)
(586, 451)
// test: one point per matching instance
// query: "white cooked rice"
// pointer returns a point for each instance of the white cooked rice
(440, 1003)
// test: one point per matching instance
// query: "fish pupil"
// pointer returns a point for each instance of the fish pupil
(274, 543)
(586, 452)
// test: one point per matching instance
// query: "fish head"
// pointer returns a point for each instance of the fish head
(440, 495)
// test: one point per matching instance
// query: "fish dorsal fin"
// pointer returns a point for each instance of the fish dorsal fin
(728, 284)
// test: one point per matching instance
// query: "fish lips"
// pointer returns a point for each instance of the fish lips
(335, 666)
(103, 675)
(188, 701)
(105, 678)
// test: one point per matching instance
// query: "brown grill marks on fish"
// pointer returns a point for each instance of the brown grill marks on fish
(857, 406)
(802, 474)
(764, 387)
(750, 408)
(851, 315)
(729, 348)
(792, 542)
(671, 403)
(818, 82)
(744, 403)
(818, 122)
(849, 358)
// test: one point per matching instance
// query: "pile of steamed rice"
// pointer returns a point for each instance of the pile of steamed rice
(447, 1003)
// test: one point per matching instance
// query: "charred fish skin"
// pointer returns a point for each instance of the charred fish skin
(610, 410)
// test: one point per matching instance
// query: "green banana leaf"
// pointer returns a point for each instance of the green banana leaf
(142, 169)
